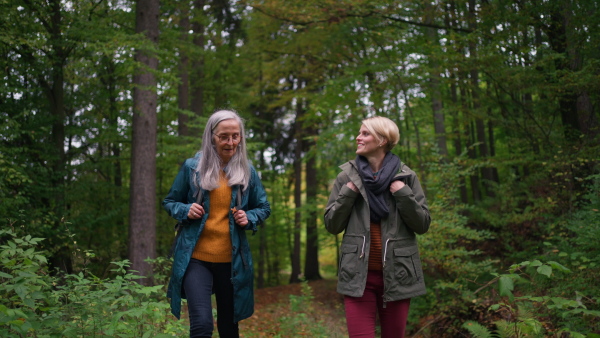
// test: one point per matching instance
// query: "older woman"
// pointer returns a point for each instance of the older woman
(379, 204)
(212, 254)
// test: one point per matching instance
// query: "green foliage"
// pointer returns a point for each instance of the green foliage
(527, 315)
(561, 283)
(451, 249)
(13, 180)
(305, 320)
(478, 330)
(553, 292)
(271, 234)
(34, 302)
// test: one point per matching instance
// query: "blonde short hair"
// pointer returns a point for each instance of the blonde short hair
(383, 129)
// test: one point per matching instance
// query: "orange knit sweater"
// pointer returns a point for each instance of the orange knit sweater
(214, 244)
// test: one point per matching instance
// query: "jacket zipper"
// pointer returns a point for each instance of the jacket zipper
(243, 258)
(385, 251)
(384, 256)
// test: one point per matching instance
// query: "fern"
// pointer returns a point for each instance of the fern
(508, 329)
(478, 330)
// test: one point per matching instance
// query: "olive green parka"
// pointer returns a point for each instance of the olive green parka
(348, 211)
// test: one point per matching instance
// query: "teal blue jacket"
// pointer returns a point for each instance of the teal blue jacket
(178, 203)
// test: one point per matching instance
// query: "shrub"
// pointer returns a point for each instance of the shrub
(35, 303)
(531, 315)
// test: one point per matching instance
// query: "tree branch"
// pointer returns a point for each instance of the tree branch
(421, 24)
(363, 15)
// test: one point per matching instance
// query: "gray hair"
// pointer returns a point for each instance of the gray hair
(209, 166)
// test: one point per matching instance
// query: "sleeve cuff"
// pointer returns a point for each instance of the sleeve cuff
(186, 211)
(348, 191)
(404, 191)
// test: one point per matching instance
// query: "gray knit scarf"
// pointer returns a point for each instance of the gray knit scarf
(378, 186)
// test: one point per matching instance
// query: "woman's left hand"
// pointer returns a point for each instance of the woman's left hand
(240, 218)
(396, 185)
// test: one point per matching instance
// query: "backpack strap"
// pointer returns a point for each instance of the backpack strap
(239, 196)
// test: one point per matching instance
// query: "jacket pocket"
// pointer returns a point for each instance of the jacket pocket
(407, 265)
(348, 262)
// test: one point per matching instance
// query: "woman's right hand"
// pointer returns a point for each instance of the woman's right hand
(196, 211)
(352, 186)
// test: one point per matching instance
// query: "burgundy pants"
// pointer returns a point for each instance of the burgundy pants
(361, 312)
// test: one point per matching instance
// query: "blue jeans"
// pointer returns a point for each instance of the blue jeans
(200, 280)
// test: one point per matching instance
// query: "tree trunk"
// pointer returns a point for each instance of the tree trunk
(438, 118)
(55, 93)
(576, 114)
(183, 90)
(197, 80)
(142, 213)
(474, 177)
(311, 261)
(262, 243)
(457, 141)
(109, 82)
(457, 134)
(494, 170)
(486, 172)
(296, 270)
(434, 86)
(475, 129)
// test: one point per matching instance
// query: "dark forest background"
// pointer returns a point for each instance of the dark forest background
(497, 103)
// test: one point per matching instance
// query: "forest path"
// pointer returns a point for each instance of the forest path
(275, 314)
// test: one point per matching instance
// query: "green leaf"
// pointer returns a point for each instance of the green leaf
(477, 329)
(576, 334)
(506, 286)
(558, 266)
(5, 275)
(536, 263)
(494, 307)
(545, 270)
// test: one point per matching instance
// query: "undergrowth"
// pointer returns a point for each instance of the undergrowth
(36, 303)
(555, 293)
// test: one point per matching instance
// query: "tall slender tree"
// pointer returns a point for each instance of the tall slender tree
(439, 125)
(183, 90)
(197, 71)
(142, 212)
(311, 260)
(297, 230)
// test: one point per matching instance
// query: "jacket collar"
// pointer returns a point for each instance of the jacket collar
(350, 169)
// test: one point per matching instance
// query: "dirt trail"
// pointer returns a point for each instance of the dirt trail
(272, 304)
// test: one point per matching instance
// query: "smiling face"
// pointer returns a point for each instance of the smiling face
(367, 144)
(226, 137)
